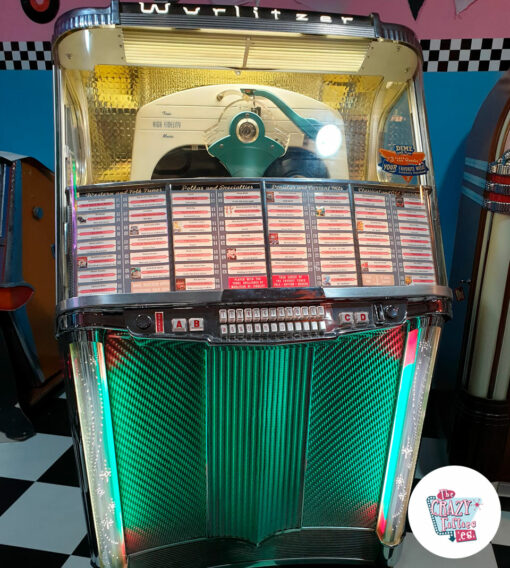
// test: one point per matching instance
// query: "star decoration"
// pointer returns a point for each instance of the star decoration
(402, 495)
(107, 523)
(407, 451)
(106, 474)
(399, 481)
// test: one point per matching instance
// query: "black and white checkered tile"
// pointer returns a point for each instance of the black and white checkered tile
(487, 54)
(42, 524)
(25, 55)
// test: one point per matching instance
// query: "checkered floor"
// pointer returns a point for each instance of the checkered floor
(42, 523)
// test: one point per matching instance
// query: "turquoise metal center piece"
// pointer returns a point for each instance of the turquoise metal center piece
(246, 151)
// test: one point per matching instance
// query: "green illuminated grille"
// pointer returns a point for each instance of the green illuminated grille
(258, 417)
(355, 383)
(247, 441)
(157, 397)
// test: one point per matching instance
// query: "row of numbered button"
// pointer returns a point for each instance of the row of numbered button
(280, 328)
(255, 315)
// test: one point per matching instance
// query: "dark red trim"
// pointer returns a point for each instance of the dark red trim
(497, 197)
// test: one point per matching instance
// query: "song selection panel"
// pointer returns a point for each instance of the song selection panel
(98, 245)
(418, 266)
(242, 242)
(289, 236)
(333, 240)
(195, 239)
(214, 237)
(376, 240)
(145, 238)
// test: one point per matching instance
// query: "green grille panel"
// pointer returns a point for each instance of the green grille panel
(245, 442)
(157, 396)
(258, 417)
(355, 384)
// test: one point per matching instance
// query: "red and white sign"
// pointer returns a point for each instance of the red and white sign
(203, 240)
(159, 322)
(190, 212)
(149, 243)
(147, 200)
(191, 226)
(149, 257)
(249, 211)
(143, 215)
(275, 210)
(247, 267)
(335, 238)
(96, 246)
(191, 198)
(328, 266)
(102, 204)
(193, 269)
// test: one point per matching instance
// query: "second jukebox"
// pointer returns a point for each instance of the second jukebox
(251, 281)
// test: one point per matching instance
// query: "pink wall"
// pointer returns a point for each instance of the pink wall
(437, 19)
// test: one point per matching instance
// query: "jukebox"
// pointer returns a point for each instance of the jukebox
(251, 285)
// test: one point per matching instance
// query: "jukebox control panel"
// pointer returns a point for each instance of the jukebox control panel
(254, 323)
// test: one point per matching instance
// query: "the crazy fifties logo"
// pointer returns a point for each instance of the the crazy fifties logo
(402, 160)
(453, 516)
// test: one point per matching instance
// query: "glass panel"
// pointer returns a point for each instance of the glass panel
(153, 104)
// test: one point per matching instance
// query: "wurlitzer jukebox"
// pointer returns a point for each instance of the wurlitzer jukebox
(251, 281)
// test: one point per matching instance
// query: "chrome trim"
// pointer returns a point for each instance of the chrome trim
(369, 27)
(181, 21)
(246, 296)
(501, 166)
(81, 18)
(401, 34)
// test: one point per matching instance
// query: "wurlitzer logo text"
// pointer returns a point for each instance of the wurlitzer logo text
(166, 8)
(453, 516)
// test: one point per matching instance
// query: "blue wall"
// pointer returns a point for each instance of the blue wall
(453, 100)
(26, 110)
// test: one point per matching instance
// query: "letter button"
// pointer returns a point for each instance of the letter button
(179, 325)
(196, 324)
(361, 317)
(346, 318)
